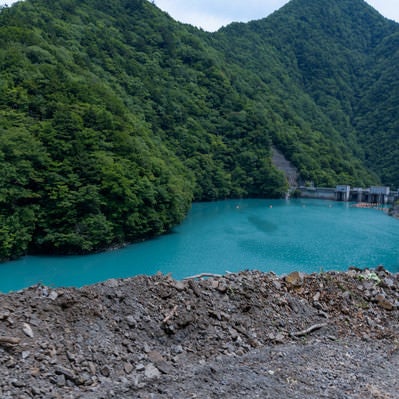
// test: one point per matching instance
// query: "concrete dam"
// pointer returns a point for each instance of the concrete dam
(376, 195)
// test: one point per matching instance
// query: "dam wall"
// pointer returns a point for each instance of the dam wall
(317, 193)
(373, 195)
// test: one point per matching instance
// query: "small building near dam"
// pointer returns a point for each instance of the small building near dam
(343, 193)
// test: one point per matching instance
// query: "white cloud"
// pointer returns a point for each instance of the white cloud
(212, 14)
(200, 14)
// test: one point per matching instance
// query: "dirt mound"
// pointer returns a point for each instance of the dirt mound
(243, 335)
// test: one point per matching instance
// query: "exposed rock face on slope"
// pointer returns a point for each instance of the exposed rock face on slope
(242, 335)
(283, 164)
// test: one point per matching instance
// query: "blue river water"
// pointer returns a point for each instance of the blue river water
(229, 236)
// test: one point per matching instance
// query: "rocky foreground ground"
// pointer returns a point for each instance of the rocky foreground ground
(247, 335)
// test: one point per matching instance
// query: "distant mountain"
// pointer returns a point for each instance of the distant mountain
(114, 117)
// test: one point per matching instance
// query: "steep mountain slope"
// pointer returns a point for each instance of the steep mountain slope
(114, 117)
(323, 54)
(376, 120)
(347, 55)
(80, 171)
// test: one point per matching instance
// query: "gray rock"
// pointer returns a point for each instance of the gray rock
(112, 283)
(105, 371)
(27, 329)
(36, 391)
(53, 295)
(316, 297)
(140, 367)
(4, 314)
(177, 349)
(128, 367)
(151, 372)
(180, 285)
(18, 383)
(68, 373)
(61, 381)
(279, 338)
(131, 321)
(388, 282)
(155, 357)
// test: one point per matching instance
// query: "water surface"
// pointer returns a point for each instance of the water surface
(234, 235)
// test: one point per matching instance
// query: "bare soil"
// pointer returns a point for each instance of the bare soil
(246, 335)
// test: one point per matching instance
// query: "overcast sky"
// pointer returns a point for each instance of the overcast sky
(212, 14)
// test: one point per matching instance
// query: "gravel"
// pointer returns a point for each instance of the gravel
(245, 335)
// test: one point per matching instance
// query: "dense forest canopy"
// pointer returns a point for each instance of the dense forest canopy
(114, 117)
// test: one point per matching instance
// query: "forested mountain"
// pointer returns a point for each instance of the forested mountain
(335, 61)
(114, 117)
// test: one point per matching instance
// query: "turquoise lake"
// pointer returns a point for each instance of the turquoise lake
(229, 236)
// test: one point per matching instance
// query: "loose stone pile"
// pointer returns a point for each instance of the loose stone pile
(238, 335)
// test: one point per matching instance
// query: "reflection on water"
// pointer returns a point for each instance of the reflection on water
(262, 224)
